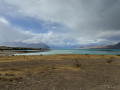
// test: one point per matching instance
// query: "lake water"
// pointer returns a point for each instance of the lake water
(77, 51)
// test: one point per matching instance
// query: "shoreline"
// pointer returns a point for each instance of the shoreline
(13, 52)
(57, 52)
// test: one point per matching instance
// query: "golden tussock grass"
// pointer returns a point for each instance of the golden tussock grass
(8, 73)
(52, 57)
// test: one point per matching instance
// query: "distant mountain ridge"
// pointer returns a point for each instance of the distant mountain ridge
(116, 46)
(21, 44)
(90, 46)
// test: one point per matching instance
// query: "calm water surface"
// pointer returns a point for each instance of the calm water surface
(76, 51)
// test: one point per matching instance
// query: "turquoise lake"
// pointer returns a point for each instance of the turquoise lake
(77, 51)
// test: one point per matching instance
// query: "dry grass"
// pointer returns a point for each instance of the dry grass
(10, 78)
(22, 69)
(18, 67)
(50, 57)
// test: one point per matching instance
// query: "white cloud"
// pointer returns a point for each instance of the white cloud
(50, 38)
(12, 33)
(3, 20)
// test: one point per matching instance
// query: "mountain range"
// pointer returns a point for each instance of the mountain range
(25, 45)
(97, 46)
(42, 45)
(115, 46)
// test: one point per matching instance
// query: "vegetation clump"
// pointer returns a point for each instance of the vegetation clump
(10, 79)
(9, 74)
(110, 60)
(77, 64)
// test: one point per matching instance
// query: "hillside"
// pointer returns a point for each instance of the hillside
(116, 46)
(24, 45)
(90, 46)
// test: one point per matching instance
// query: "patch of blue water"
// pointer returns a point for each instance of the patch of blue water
(77, 51)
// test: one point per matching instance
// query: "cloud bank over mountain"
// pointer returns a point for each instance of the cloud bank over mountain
(60, 22)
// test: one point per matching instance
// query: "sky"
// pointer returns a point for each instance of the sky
(60, 22)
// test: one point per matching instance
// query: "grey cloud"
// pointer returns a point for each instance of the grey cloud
(79, 14)
(115, 37)
(10, 33)
(86, 19)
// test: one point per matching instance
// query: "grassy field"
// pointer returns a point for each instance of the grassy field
(60, 72)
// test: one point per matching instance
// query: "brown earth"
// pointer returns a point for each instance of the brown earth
(60, 72)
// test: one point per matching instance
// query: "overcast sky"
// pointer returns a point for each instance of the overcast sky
(60, 22)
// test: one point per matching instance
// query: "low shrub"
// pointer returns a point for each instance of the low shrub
(110, 60)
(77, 64)
(9, 74)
